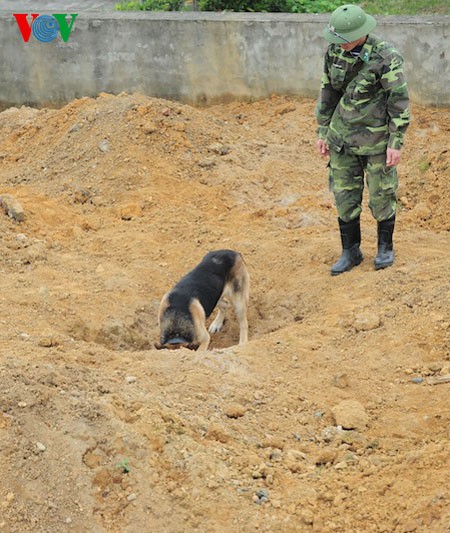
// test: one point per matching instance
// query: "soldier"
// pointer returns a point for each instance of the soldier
(362, 114)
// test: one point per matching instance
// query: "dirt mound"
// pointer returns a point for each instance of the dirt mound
(327, 420)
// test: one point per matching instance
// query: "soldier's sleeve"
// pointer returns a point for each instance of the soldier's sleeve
(327, 101)
(397, 103)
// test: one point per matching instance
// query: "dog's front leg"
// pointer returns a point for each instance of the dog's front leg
(218, 322)
(202, 336)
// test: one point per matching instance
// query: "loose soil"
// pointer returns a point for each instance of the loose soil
(327, 420)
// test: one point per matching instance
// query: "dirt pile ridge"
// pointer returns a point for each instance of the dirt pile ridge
(325, 421)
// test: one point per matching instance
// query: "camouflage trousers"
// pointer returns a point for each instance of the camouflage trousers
(346, 180)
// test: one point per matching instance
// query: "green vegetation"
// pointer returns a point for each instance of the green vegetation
(407, 7)
(376, 7)
(276, 6)
(151, 5)
(123, 465)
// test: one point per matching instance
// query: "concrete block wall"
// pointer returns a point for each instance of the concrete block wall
(202, 58)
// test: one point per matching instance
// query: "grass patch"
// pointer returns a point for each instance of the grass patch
(375, 7)
(406, 7)
(424, 165)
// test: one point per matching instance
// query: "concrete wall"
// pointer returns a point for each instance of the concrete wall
(201, 58)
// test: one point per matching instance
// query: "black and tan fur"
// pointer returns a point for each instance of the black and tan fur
(219, 279)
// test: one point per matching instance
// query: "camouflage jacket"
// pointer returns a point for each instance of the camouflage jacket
(363, 104)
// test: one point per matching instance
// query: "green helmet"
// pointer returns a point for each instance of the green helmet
(348, 23)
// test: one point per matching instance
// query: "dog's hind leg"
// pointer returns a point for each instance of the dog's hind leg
(202, 336)
(240, 308)
(218, 322)
(239, 296)
(162, 307)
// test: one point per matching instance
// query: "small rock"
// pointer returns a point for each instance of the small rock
(22, 239)
(48, 342)
(367, 321)
(261, 496)
(12, 207)
(92, 459)
(130, 211)
(417, 380)
(307, 517)
(36, 252)
(276, 504)
(41, 447)
(81, 196)
(435, 367)
(350, 414)
(234, 410)
(131, 497)
(445, 370)
(217, 432)
(149, 128)
(179, 126)
(260, 144)
(208, 162)
(295, 461)
(218, 148)
(273, 442)
(103, 146)
(330, 433)
(341, 380)
(43, 293)
(422, 211)
(286, 108)
(261, 472)
(410, 526)
(131, 379)
(353, 438)
(91, 116)
(405, 202)
(275, 455)
(7, 502)
(325, 456)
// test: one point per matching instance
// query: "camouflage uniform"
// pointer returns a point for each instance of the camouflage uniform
(363, 108)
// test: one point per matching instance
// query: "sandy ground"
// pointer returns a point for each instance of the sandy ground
(327, 420)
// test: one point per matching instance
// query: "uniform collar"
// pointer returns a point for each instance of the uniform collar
(366, 50)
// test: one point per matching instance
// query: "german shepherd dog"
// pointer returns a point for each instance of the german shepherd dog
(221, 277)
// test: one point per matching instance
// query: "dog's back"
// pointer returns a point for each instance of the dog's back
(205, 282)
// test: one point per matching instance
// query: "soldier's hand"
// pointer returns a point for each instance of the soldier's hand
(322, 148)
(392, 157)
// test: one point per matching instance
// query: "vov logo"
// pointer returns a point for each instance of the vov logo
(45, 28)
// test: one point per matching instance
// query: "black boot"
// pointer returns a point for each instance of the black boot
(385, 255)
(351, 240)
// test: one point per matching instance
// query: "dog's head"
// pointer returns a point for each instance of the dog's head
(175, 344)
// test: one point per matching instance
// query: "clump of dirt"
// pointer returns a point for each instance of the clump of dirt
(327, 420)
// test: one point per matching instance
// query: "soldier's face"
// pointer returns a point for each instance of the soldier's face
(349, 46)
